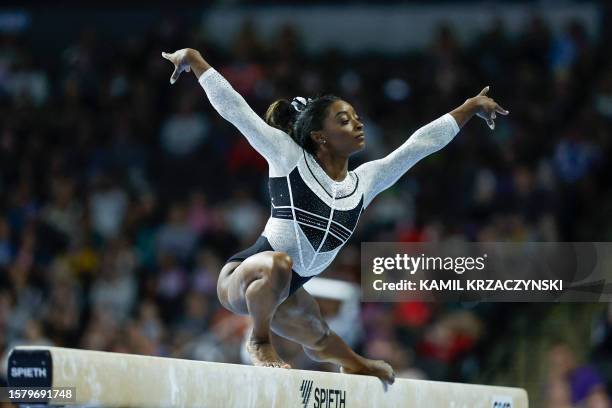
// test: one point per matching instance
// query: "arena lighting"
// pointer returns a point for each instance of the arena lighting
(124, 380)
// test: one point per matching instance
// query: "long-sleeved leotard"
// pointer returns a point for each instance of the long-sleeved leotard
(312, 215)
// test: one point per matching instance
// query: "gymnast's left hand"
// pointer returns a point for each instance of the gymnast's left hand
(486, 108)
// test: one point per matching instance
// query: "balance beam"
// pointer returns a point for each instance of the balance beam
(126, 380)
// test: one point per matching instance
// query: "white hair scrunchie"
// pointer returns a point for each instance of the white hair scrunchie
(299, 103)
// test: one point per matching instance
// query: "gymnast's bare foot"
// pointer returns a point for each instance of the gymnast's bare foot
(377, 368)
(264, 355)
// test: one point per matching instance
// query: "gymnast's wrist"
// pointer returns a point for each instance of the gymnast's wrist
(471, 106)
(464, 112)
(197, 64)
(193, 56)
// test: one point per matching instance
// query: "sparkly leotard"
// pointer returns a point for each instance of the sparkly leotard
(313, 216)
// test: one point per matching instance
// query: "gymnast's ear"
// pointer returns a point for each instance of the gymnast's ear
(317, 136)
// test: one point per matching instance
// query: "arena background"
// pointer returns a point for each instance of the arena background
(121, 196)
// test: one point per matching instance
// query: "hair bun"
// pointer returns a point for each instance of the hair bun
(281, 114)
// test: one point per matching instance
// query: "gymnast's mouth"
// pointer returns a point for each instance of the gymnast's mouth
(360, 136)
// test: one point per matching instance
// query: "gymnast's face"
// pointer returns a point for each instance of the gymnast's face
(342, 131)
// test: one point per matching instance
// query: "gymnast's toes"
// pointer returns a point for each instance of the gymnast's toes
(264, 355)
(376, 368)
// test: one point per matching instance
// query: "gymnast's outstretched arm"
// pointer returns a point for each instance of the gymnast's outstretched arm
(273, 144)
(378, 175)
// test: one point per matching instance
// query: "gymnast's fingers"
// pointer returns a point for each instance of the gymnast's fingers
(484, 91)
(178, 67)
(175, 75)
(170, 57)
(501, 110)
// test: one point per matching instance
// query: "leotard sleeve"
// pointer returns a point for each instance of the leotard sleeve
(276, 146)
(378, 175)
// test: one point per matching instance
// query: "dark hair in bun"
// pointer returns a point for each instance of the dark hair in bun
(300, 123)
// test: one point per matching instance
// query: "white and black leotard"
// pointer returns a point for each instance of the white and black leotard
(312, 215)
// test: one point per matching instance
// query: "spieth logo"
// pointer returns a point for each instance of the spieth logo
(502, 402)
(323, 397)
(305, 389)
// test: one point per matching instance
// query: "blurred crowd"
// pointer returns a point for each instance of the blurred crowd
(121, 196)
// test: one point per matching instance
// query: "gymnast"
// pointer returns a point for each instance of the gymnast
(316, 203)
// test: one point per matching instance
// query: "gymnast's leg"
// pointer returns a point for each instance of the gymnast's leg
(299, 319)
(256, 286)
